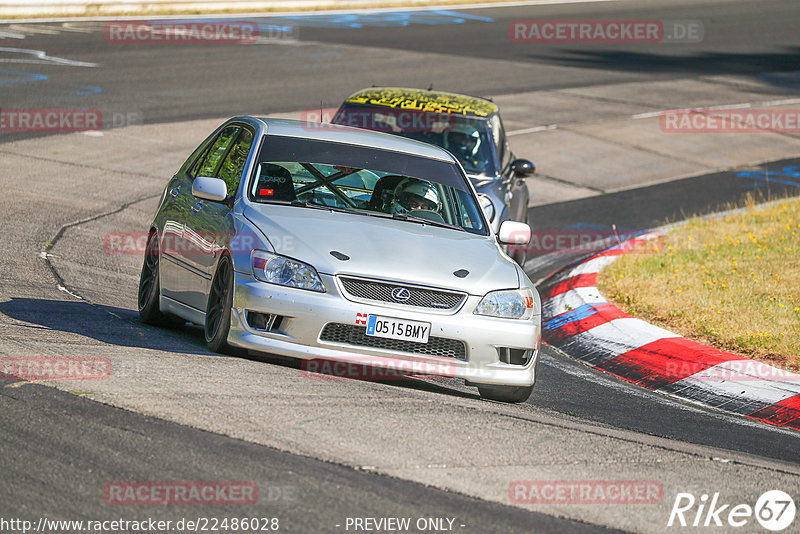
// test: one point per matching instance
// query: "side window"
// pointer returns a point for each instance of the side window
(233, 164)
(500, 141)
(208, 164)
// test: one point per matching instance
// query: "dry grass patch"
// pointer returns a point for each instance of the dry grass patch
(733, 283)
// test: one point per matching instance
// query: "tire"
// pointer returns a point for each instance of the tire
(218, 310)
(150, 287)
(512, 394)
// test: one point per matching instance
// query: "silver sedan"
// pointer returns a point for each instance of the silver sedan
(335, 244)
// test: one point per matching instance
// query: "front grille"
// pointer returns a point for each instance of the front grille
(356, 335)
(375, 291)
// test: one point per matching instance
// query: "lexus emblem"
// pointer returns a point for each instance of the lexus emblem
(401, 294)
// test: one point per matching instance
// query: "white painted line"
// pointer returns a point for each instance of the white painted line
(532, 130)
(42, 57)
(34, 29)
(784, 102)
(11, 35)
(743, 105)
(397, 8)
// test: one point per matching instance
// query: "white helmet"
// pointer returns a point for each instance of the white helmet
(462, 140)
(414, 194)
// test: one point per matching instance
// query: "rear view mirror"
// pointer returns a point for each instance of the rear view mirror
(209, 188)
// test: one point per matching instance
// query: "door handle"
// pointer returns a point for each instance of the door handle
(174, 193)
(197, 207)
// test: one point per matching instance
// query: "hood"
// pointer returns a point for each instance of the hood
(385, 248)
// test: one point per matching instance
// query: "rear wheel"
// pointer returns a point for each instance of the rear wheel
(514, 394)
(218, 311)
(150, 286)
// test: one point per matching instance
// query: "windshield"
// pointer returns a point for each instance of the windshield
(375, 182)
(466, 138)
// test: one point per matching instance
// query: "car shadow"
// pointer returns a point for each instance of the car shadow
(122, 327)
(107, 324)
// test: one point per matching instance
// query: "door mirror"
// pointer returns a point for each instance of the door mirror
(522, 167)
(514, 233)
(209, 188)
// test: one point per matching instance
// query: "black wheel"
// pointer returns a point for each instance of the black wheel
(218, 311)
(514, 394)
(150, 287)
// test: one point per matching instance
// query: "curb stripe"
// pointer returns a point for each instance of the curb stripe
(614, 338)
(578, 320)
(582, 280)
(572, 300)
(784, 413)
(665, 361)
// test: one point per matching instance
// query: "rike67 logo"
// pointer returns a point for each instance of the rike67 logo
(774, 510)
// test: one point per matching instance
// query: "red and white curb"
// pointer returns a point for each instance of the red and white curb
(580, 322)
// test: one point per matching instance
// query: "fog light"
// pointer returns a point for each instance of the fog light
(263, 321)
(514, 356)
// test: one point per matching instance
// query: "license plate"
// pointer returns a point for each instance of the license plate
(391, 328)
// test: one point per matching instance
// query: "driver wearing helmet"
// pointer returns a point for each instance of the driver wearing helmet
(463, 142)
(414, 194)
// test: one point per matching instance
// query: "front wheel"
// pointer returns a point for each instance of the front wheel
(512, 394)
(149, 284)
(218, 311)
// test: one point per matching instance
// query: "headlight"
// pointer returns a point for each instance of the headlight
(510, 304)
(486, 206)
(269, 267)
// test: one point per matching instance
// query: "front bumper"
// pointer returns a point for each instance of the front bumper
(304, 315)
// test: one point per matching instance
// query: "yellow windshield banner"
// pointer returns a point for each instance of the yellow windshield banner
(431, 102)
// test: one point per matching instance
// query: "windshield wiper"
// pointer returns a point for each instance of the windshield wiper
(422, 220)
(306, 204)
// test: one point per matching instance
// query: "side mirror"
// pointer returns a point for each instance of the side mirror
(522, 167)
(514, 233)
(209, 188)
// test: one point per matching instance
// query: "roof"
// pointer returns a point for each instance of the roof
(422, 100)
(353, 136)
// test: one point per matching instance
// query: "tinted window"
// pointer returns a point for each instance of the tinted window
(500, 141)
(467, 138)
(215, 154)
(364, 180)
(232, 166)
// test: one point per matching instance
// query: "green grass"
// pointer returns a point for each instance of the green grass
(733, 282)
